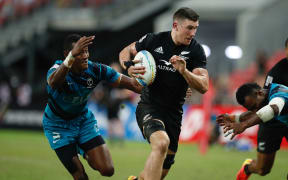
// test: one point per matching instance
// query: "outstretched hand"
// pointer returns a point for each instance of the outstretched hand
(222, 119)
(233, 128)
(82, 43)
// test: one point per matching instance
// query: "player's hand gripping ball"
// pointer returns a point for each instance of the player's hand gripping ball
(146, 60)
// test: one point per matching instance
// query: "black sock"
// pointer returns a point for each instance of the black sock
(246, 170)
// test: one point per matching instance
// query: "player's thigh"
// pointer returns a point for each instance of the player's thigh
(69, 158)
(99, 158)
(59, 132)
(89, 130)
(270, 136)
(173, 129)
(149, 120)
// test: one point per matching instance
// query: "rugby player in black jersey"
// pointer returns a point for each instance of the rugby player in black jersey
(270, 134)
(181, 63)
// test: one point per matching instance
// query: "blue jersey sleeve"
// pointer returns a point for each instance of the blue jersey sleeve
(108, 74)
(278, 90)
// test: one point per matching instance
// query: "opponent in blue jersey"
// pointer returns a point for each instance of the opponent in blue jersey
(263, 105)
(68, 124)
(270, 134)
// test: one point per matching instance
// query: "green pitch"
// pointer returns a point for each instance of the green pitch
(26, 155)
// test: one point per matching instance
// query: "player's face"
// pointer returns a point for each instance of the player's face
(186, 30)
(254, 102)
(81, 61)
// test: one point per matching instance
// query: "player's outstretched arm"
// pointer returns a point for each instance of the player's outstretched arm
(128, 83)
(57, 78)
(224, 118)
(239, 127)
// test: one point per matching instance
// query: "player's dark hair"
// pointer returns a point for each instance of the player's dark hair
(186, 13)
(245, 90)
(286, 43)
(69, 40)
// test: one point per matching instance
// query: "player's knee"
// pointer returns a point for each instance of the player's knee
(162, 145)
(263, 171)
(107, 171)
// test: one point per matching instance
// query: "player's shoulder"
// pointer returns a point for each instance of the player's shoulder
(282, 62)
(155, 36)
(56, 64)
(161, 35)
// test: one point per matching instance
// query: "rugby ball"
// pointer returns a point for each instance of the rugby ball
(146, 60)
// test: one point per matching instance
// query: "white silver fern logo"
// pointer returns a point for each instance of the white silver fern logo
(166, 62)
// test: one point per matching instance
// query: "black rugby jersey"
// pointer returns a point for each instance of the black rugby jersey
(278, 74)
(169, 88)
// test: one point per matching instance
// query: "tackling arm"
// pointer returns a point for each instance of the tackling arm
(128, 83)
(264, 114)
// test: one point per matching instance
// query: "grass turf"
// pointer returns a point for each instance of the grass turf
(26, 155)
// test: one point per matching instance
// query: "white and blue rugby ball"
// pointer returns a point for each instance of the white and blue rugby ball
(146, 60)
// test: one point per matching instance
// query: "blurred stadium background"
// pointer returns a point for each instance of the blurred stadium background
(242, 40)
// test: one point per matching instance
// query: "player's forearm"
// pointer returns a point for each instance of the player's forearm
(198, 82)
(245, 115)
(58, 77)
(253, 120)
(127, 54)
(130, 83)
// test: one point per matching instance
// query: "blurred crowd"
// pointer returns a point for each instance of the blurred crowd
(11, 10)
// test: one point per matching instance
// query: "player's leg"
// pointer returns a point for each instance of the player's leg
(98, 156)
(263, 164)
(96, 151)
(173, 129)
(69, 158)
(269, 138)
(168, 162)
(62, 139)
(159, 142)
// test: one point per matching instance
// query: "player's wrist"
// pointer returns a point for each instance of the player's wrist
(69, 60)
(128, 64)
(184, 72)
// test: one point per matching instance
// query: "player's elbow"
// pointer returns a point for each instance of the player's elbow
(52, 83)
(204, 89)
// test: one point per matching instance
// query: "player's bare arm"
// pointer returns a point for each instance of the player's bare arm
(197, 79)
(127, 54)
(223, 118)
(57, 78)
(239, 127)
(264, 114)
(128, 83)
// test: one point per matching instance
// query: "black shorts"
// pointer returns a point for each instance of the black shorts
(270, 135)
(171, 120)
